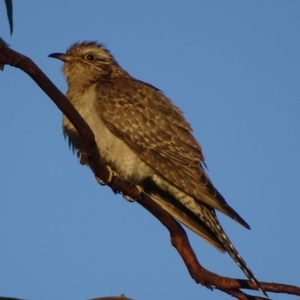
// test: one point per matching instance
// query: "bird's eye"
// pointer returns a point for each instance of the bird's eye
(90, 57)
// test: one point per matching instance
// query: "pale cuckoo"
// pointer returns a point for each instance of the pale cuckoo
(144, 138)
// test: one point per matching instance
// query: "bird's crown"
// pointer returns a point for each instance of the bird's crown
(90, 51)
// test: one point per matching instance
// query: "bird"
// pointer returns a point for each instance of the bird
(144, 138)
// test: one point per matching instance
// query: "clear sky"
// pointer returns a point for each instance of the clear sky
(232, 67)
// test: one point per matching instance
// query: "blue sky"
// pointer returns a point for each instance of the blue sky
(232, 67)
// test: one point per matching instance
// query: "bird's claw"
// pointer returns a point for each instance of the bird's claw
(100, 181)
(127, 198)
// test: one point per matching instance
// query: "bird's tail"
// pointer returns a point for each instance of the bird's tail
(225, 241)
(203, 221)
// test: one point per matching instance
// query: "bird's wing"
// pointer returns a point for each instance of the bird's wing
(157, 132)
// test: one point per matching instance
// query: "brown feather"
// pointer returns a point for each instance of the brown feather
(155, 129)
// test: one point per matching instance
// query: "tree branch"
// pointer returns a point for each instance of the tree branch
(178, 236)
(122, 297)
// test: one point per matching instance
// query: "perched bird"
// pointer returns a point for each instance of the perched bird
(144, 138)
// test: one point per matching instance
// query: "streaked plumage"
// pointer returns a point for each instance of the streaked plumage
(146, 140)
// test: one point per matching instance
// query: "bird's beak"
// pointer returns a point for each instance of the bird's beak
(61, 56)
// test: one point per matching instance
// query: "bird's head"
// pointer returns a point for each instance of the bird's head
(87, 62)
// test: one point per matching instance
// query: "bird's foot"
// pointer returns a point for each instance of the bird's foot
(111, 176)
(128, 198)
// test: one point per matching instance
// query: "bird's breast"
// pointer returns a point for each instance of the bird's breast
(113, 150)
